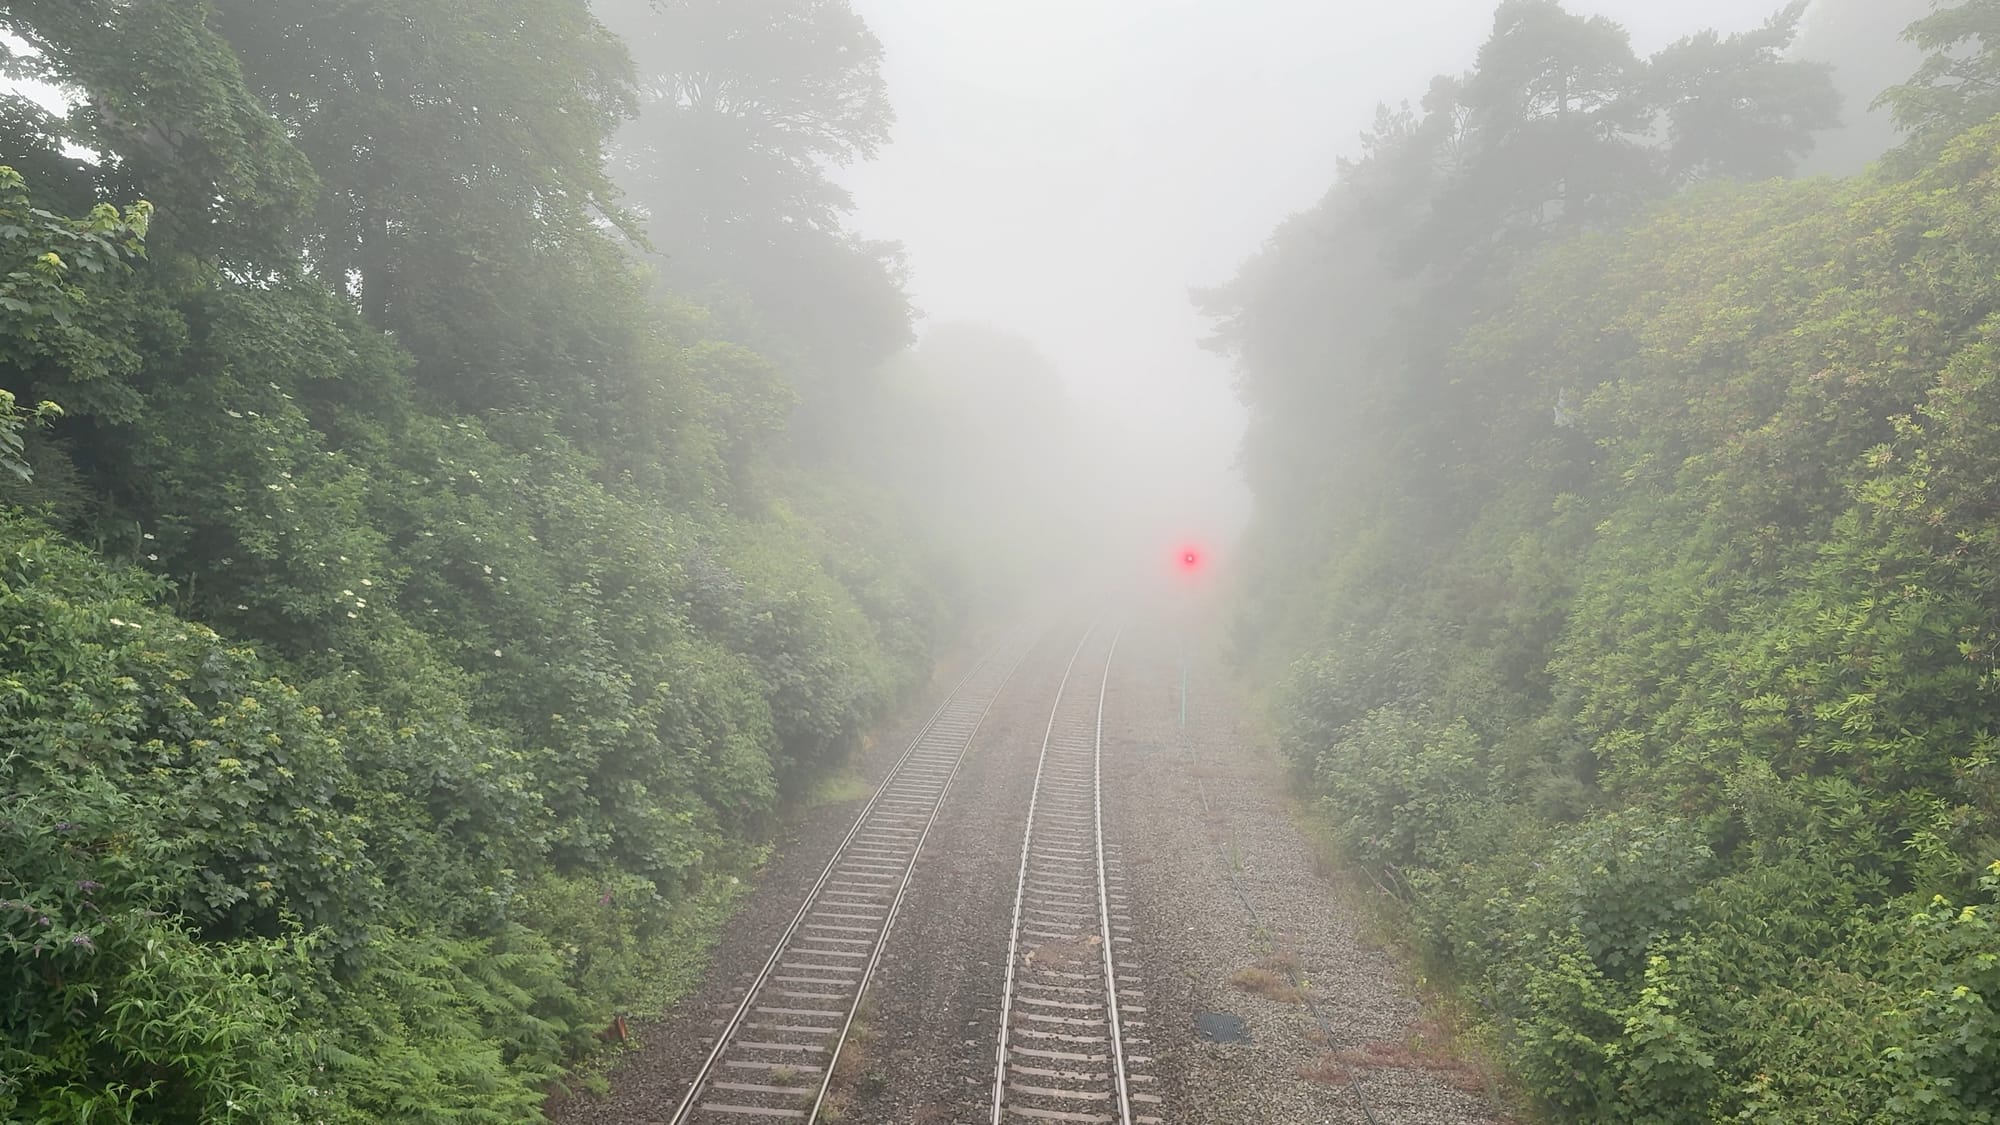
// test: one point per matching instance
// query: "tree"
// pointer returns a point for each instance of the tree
(1563, 126)
(432, 121)
(1736, 107)
(746, 104)
(162, 96)
(1555, 121)
(1958, 85)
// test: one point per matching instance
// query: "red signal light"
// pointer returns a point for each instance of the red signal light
(1190, 559)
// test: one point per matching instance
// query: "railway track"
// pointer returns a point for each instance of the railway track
(1072, 1041)
(773, 1059)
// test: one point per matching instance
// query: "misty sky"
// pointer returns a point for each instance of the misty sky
(1067, 168)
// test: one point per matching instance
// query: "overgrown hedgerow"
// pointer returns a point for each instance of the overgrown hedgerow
(1633, 555)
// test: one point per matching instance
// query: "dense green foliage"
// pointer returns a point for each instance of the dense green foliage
(411, 612)
(1637, 580)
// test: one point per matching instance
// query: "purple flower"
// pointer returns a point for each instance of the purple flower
(89, 885)
(66, 826)
(83, 940)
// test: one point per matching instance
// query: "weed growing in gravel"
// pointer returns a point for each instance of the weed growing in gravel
(1337, 1068)
(1284, 962)
(1269, 985)
(856, 1075)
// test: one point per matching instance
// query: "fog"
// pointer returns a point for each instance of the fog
(1068, 170)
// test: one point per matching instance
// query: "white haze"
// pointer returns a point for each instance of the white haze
(1068, 169)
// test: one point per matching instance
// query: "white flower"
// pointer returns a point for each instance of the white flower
(152, 558)
(275, 487)
(232, 414)
(496, 652)
(488, 569)
(148, 535)
(367, 582)
(347, 593)
(352, 616)
(241, 607)
(116, 621)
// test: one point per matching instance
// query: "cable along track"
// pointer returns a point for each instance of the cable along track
(773, 1059)
(1067, 1012)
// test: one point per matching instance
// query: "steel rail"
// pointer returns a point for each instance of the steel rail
(1114, 1042)
(1021, 885)
(1103, 892)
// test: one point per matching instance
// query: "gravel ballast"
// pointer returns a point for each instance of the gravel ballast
(1224, 883)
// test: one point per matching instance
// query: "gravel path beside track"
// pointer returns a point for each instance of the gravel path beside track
(1192, 813)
